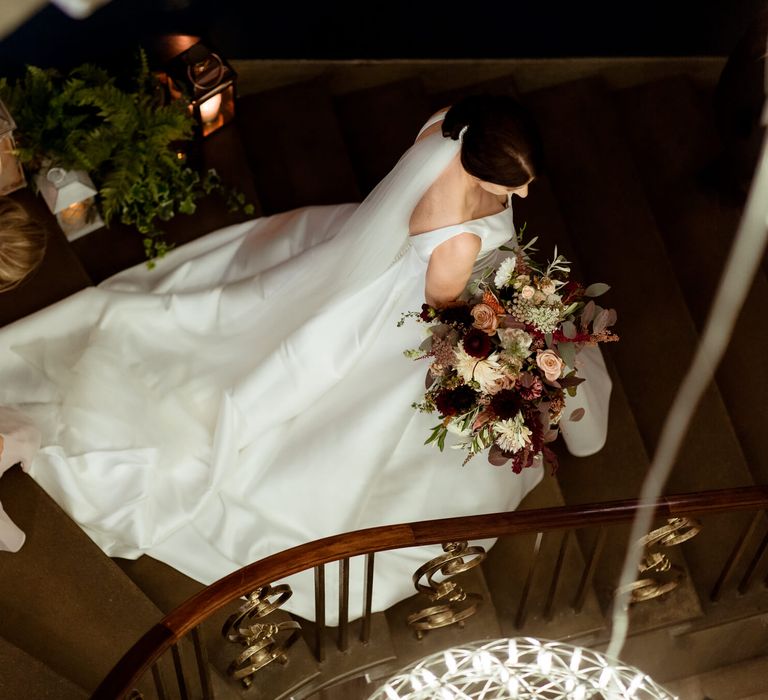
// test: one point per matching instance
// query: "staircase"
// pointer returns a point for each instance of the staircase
(622, 199)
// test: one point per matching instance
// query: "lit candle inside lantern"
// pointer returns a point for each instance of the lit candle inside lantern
(73, 217)
(209, 110)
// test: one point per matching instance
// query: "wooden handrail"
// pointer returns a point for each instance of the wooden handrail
(199, 607)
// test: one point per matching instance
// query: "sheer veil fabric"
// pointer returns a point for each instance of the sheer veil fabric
(250, 393)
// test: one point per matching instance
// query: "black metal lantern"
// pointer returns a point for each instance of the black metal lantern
(209, 83)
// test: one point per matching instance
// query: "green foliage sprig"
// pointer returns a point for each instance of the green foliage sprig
(124, 136)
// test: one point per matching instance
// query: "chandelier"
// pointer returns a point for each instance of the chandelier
(522, 668)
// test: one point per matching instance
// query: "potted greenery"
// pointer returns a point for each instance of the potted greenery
(126, 136)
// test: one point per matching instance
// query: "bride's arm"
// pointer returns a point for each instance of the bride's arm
(450, 267)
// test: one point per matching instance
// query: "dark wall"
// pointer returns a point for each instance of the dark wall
(372, 29)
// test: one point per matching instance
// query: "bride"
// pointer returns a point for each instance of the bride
(250, 393)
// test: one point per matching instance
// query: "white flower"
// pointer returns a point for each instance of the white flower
(505, 272)
(512, 435)
(527, 292)
(515, 341)
(485, 372)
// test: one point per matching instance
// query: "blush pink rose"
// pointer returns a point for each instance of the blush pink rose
(549, 363)
(485, 317)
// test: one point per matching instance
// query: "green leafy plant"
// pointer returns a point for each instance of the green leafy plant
(126, 136)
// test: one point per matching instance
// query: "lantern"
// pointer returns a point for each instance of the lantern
(69, 195)
(209, 82)
(11, 172)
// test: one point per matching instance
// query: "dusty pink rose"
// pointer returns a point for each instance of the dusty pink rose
(550, 364)
(527, 292)
(485, 317)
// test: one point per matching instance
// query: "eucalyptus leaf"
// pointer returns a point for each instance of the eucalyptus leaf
(569, 329)
(548, 339)
(567, 352)
(576, 415)
(588, 314)
(596, 289)
(602, 320)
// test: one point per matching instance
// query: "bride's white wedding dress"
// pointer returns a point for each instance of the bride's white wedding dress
(251, 394)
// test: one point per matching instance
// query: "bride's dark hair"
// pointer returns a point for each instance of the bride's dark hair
(501, 144)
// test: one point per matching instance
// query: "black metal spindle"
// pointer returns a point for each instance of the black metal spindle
(343, 642)
(589, 571)
(203, 671)
(365, 629)
(746, 580)
(179, 668)
(157, 677)
(320, 612)
(552, 593)
(733, 559)
(521, 608)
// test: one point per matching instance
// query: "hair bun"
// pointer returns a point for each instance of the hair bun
(464, 113)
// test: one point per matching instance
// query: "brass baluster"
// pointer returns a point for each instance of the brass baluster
(549, 605)
(201, 656)
(181, 681)
(259, 638)
(521, 611)
(319, 612)
(660, 575)
(744, 584)
(735, 556)
(589, 572)
(454, 604)
(343, 641)
(157, 677)
(365, 629)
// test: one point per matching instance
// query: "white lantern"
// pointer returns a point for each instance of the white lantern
(69, 195)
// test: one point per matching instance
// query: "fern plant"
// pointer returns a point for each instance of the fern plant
(125, 137)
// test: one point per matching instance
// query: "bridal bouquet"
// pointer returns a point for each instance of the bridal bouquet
(503, 360)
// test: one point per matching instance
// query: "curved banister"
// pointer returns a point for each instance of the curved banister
(199, 607)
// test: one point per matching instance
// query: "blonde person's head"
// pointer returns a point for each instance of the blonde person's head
(22, 243)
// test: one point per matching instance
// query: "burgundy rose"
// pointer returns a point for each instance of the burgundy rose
(477, 344)
(459, 315)
(455, 402)
(428, 313)
(505, 404)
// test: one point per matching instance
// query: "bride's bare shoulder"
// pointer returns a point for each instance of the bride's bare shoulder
(442, 204)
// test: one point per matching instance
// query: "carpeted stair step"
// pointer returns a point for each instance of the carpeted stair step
(611, 225)
(59, 275)
(504, 85)
(23, 676)
(617, 471)
(295, 147)
(379, 124)
(671, 134)
(106, 251)
(740, 681)
(666, 656)
(373, 658)
(61, 599)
